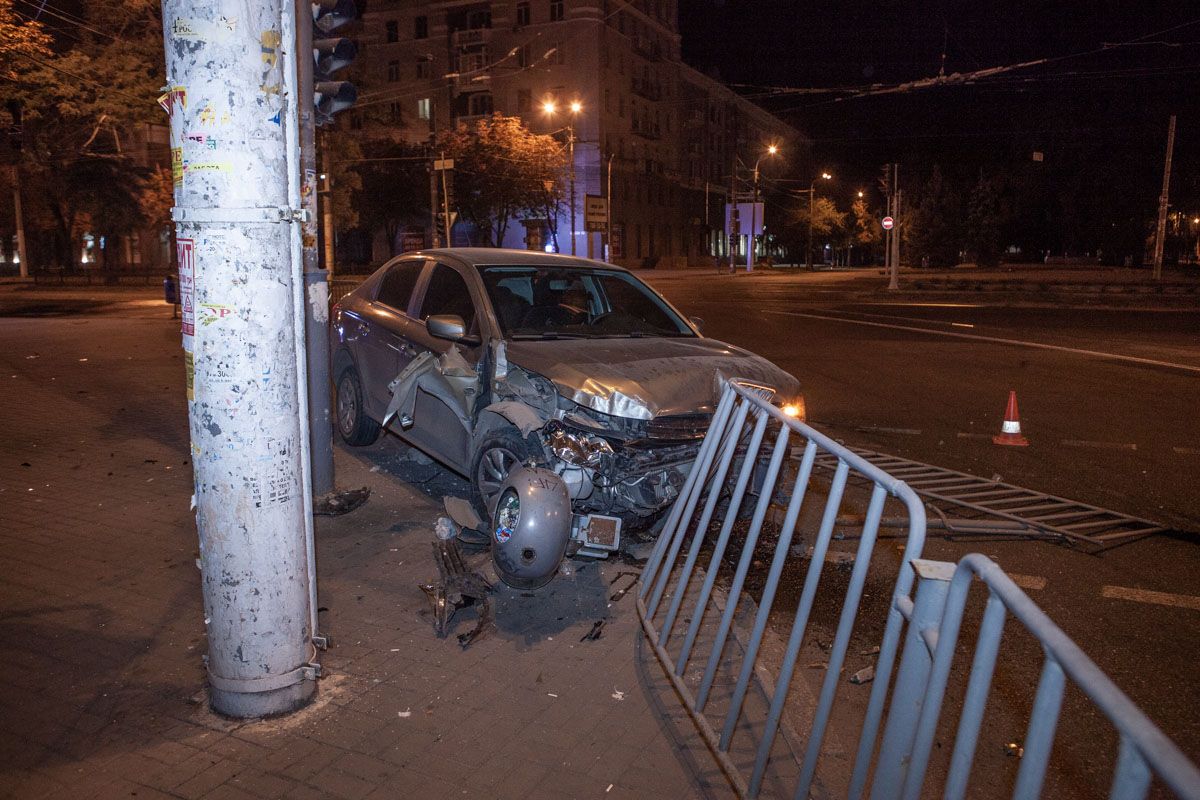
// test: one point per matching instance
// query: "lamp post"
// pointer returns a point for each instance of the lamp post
(771, 150)
(812, 189)
(550, 107)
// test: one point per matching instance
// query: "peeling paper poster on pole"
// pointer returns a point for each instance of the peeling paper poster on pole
(185, 250)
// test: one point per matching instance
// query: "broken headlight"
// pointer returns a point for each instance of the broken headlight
(576, 447)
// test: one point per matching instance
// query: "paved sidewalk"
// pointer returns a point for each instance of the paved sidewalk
(100, 608)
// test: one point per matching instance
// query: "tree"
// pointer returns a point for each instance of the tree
(394, 188)
(933, 231)
(501, 170)
(982, 238)
(827, 223)
(76, 103)
(866, 231)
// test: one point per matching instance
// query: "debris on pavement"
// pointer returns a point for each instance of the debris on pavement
(335, 503)
(874, 651)
(864, 675)
(457, 588)
(1014, 750)
(445, 528)
(617, 595)
(595, 633)
(462, 512)
(617, 694)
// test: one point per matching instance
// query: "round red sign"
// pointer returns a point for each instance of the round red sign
(888, 222)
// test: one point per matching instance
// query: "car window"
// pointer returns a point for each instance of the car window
(447, 294)
(550, 302)
(397, 285)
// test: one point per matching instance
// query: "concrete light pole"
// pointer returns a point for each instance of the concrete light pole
(15, 172)
(232, 89)
(812, 190)
(771, 150)
(550, 107)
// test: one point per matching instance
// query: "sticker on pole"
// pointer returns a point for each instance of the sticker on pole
(888, 223)
(185, 250)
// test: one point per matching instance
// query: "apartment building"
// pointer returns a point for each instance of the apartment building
(652, 134)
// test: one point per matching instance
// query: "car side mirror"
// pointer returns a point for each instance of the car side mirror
(697, 323)
(446, 326)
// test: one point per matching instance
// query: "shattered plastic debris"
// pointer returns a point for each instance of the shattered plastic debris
(462, 512)
(405, 714)
(457, 588)
(595, 633)
(617, 694)
(445, 528)
(864, 675)
(335, 504)
(1014, 750)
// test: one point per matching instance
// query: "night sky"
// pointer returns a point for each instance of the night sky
(1100, 119)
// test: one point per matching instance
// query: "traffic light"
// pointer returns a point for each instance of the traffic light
(331, 54)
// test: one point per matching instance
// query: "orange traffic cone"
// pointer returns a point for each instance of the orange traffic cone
(1010, 431)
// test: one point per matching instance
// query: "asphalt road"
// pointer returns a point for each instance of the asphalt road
(910, 389)
(1105, 427)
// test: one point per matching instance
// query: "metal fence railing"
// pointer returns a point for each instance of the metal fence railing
(730, 625)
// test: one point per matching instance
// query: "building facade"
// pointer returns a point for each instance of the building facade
(654, 136)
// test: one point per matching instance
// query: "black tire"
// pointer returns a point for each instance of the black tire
(500, 451)
(355, 427)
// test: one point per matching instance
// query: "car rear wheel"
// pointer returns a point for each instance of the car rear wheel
(355, 427)
(499, 453)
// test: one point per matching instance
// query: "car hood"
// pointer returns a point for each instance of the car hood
(645, 378)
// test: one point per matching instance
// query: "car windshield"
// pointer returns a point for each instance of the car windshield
(557, 303)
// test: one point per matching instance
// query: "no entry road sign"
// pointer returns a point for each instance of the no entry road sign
(888, 223)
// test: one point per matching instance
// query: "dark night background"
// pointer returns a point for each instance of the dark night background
(1100, 119)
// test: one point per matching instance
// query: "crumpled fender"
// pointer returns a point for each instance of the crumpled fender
(525, 418)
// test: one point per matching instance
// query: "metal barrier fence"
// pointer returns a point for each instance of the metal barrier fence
(340, 286)
(688, 619)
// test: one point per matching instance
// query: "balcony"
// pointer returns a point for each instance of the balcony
(471, 37)
(648, 90)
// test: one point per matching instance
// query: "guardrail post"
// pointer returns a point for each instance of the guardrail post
(933, 582)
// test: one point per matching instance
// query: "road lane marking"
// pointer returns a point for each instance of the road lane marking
(962, 435)
(996, 340)
(1100, 445)
(1027, 582)
(961, 325)
(880, 429)
(1146, 596)
(1187, 451)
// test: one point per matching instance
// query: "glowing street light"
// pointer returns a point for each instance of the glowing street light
(812, 189)
(771, 151)
(549, 107)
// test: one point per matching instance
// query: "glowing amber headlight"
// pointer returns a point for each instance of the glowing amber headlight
(794, 408)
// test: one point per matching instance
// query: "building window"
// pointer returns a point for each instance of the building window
(556, 10)
(395, 112)
(524, 100)
(393, 31)
(393, 73)
(522, 14)
(424, 111)
(480, 104)
(424, 68)
(479, 19)
(421, 28)
(559, 58)
(523, 59)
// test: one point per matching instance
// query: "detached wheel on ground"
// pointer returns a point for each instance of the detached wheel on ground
(355, 427)
(501, 451)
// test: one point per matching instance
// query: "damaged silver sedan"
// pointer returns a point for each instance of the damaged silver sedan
(518, 370)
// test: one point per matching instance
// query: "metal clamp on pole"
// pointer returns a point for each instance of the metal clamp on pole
(309, 671)
(239, 215)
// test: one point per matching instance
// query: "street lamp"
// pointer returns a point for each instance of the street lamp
(575, 107)
(771, 150)
(812, 189)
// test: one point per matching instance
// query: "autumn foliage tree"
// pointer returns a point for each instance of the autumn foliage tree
(502, 170)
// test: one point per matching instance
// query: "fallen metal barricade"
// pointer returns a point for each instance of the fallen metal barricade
(693, 619)
(933, 635)
(736, 437)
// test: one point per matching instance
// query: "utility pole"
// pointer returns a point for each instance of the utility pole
(237, 223)
(316, 280)
(327, 213)
(571, 155)
(446, 202)
(15, 171)
(434, 236)
(608, 212)
(892, 256)
(1161, 232)
(734, 222)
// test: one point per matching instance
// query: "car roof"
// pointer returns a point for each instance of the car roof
(499, 256)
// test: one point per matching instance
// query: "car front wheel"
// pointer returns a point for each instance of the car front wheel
(498, 454)
(355, 427)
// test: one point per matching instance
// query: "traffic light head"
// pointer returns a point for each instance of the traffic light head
(331, 54)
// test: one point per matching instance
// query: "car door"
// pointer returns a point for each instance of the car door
(385, 348)
(437, 428)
